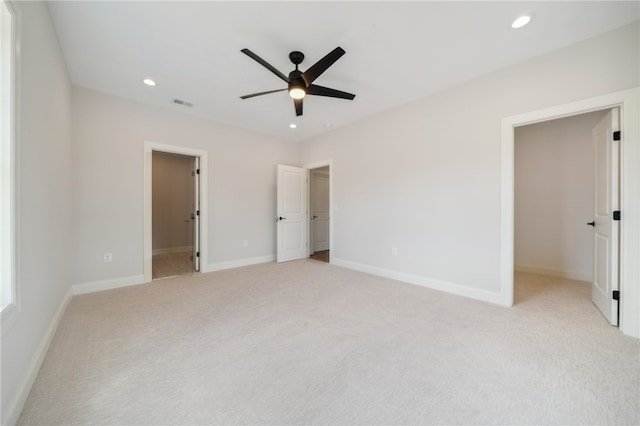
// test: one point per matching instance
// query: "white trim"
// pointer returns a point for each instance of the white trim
(133, 280)
(449, 287)
(14, 306)
(219, 266)
(108, 284)
(318, 165)
(627, 101)
(170, 250)
(11, 413)
(552, 272)
(149, 147)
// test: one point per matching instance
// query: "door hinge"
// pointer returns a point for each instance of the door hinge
(197, 171)
(197, 212)
(616, 215)
(198, 254)
(616, 294)
(616, 135)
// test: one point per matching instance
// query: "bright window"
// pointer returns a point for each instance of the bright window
(7, 157)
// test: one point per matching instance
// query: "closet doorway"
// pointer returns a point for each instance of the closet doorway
(174, 214)
(175, 210)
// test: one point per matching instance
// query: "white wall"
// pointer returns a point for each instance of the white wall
(44, 202)
(426, 177)
(109, 134)
(172, 201)
(554, 196)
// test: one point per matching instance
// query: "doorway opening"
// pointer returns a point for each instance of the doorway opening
(319, 207)
(298, 234)
(554, 197)
(175, 210)
(174, 219)
(627, 103)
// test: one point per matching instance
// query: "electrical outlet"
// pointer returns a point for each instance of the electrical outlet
(108, 258)
(394, 251)
(245, 243)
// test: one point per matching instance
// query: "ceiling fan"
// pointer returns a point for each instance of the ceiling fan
(301, 83)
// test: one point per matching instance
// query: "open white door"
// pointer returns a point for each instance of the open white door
(196, 215)
(291, 217)
(606, 221)
(319, 211)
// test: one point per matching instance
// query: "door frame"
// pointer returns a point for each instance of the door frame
(149, 147)
(317, 165)
(628, 103)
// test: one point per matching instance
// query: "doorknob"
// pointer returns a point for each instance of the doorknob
(314, 217)
(281, 218)
(592, 223)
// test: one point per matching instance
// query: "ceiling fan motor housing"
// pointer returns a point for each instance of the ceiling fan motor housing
(296, 80)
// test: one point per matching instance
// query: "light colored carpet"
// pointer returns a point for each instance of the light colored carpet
(310, 343)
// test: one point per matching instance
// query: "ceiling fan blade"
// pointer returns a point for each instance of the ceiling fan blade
(261, 93)
(265, 64)
(298, 105)
(325, 91)
(321, 66)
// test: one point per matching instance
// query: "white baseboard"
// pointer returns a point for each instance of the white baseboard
(448, 287)
(172, 250)
(11, 413)
(139, 279)
(239, 263)
(108, 284)
(572, 275)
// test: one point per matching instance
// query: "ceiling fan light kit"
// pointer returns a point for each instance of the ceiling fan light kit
(297, 92)
(300, 84)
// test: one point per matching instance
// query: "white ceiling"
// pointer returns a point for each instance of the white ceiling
(396, 51)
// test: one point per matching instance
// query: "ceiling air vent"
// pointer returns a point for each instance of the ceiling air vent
(183, 103)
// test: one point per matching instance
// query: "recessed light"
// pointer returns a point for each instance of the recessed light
(149, 82)
(292, 125)
(521, 21)
(328, 125)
